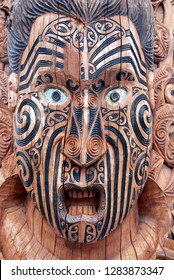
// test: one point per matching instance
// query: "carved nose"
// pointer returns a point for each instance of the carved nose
(86, 146)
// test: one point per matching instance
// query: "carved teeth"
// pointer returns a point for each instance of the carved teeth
(84, 202)
(79, 210)
(81, 203)
(79, 194)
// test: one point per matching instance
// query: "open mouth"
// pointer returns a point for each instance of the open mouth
(77, 204)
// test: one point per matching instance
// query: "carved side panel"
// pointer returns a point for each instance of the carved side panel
(164, 105)
(5, 114)
(8, 183)
(5, 118)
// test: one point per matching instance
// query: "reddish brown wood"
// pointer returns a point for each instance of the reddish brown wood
(146, 232)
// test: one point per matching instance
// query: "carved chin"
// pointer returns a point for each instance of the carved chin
(82, 211)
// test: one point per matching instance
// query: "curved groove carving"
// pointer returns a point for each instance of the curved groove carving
(156, 2)
(164, 114)
(3, 37)
(164, 133)
(163, 78)
(83, 162)
(5, 118)
(161, 43)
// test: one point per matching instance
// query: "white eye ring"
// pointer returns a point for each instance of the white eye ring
(55, 96)
(116, 96)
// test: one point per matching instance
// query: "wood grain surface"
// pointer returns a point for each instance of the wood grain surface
(86, 167)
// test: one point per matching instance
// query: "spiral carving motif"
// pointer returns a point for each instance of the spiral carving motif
(24, 125)
(79, 101)
(141, 170)
(72, 146)
(92, 100)
(35, 155)
(24, 169)
(94, 146)
(73, 233)
(161, 43)
(142, 119)
(164, 133)
(91, 233)
(163, 87)
(55, 117)
(169, 93)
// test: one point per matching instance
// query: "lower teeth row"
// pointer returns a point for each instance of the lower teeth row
(79, 210)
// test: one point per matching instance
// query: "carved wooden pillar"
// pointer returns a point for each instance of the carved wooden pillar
(164, 111)
(92, 136)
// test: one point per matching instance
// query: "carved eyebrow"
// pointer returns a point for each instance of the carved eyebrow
(40, 64)
(40, 51)
(123, 48)
(109, 59)
(112, 40)
(107, 54)
(36, 64)
(122, 60)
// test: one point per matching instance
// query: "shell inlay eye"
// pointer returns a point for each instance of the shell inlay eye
(116, 96)
(55, 96)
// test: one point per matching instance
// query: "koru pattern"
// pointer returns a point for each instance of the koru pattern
(69, 137)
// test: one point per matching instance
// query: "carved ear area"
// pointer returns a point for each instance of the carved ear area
(150, 85)
(13, 91)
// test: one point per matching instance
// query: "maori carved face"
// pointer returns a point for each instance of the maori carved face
(83, 123)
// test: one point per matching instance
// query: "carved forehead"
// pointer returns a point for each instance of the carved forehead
(85, 52)
(24, 14)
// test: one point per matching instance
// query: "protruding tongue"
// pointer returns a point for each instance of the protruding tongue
(78, 202)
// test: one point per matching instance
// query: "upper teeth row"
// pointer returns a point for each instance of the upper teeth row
(79, 194)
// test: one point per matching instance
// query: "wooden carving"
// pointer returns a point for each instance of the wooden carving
(90, 175)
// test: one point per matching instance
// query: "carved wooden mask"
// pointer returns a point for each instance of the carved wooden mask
(83, 123)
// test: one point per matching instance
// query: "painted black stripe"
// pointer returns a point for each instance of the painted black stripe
(39, 190)
(116, 153)
(56, 165)
(120, 49)
(120, 60)
(29, 54)
(111, 40)
(47, 168)
(144, 141)
(105, 227)
(105, 44)
(124, 168)
(137, 48)
(43, 63)
(41, 51)
(129, 194)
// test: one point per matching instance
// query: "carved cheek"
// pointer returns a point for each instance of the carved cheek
(39, 130)
(27, 133)
(141, 121)
(128, 133)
